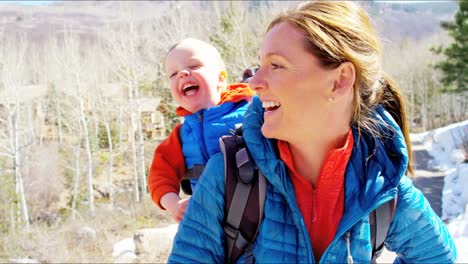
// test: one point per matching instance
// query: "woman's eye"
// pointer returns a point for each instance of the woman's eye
(275, 66)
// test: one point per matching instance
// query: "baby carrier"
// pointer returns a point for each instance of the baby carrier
(245, 199)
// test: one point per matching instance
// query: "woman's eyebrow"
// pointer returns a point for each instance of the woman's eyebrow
(271, 54)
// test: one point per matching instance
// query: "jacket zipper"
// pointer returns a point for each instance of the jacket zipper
(202, 137)
(348, 226)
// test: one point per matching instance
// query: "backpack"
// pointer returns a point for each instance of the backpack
(245, 199)
(193, 173)
(197, 170)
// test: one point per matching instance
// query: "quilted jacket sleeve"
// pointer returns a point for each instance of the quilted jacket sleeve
(200, 238)
(417, 234)
(167, 167)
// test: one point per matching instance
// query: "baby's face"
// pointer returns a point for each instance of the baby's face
(195, 77)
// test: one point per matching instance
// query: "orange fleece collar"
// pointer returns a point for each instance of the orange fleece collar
(234, 93)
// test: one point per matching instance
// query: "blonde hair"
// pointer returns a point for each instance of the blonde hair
(341, 31)
(207, 46)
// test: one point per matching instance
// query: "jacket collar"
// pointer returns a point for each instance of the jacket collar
(373, 171)
(264, 150)
(235, 92)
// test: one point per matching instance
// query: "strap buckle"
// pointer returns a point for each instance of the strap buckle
(230, 231)
(236, 237)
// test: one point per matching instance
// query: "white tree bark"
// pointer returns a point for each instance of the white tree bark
(77, 175)
(16, 137)
(106, 121)
(111, 162)
(17, 163)
(132, 141)
(86, 137)
(73, 66)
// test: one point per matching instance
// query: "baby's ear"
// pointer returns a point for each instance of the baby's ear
(222, 80)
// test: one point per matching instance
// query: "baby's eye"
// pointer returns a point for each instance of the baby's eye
(195, 66)
(172, 75)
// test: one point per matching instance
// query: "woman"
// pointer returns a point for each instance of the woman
(329, 132)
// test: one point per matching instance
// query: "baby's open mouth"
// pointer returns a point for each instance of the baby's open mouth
(190, 89)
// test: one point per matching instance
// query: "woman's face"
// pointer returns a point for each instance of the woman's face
(292, 85)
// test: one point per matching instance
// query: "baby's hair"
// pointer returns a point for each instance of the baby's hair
(202, 43)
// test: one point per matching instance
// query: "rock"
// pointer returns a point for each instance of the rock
(126, 257)
(87, 233)
(23, 260)
(154, 244)
(124, 251)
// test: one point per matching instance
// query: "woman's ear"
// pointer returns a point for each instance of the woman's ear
(345, 79)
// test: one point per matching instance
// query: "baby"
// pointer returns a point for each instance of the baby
(211, 108)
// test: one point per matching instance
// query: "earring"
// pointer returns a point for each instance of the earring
(330, 99)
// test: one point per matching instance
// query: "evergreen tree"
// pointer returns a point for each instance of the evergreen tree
(455, 65)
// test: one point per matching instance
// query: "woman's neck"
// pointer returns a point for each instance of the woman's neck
(309, 154)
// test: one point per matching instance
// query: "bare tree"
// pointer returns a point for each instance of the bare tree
(73, 64)
(77, 171)
(16, 135)
(125, 44)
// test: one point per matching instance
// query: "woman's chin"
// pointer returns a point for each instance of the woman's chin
(268, 131)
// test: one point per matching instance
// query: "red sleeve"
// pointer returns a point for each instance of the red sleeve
(167, 168)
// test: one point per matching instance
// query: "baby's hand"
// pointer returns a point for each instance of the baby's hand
(179, 209)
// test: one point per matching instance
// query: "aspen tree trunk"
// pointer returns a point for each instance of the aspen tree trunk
(424, 114)
(140, 140)
(111, 162)
(95, 123)
(73, 66)
(120, 124)
(132, 141)
(12, 221)
(59, 121)
(106, 123)
(42, 124)
(77, 175)
(17, 162)
(136, 114)
(89, 156)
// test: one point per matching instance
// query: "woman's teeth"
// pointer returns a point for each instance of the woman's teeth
(270, 105)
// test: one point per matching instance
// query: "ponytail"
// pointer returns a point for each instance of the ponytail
(392, 100)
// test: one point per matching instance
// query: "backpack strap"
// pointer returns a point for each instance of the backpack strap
(193, 173)
(380, 220)
(244, 198)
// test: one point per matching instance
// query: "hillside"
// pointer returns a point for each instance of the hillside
(394, 21)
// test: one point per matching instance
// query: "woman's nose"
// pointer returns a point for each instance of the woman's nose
(255, 82)
(183, 73)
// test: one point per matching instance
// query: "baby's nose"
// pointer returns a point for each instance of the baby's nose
(183, 73)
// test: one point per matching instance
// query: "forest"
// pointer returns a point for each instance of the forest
(84, 101)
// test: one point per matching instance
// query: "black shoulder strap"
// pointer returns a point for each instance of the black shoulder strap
(380, 220)
(193, 173)
(244, 198)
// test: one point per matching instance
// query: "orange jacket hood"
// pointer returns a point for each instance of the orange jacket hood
(234, 93)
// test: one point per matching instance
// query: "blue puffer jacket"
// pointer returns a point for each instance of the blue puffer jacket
(372, 178)
(200, 131)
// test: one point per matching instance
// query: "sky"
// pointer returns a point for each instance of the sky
(27, 2)
(23, 2)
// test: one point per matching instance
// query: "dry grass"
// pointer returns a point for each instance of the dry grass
(65, 242)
